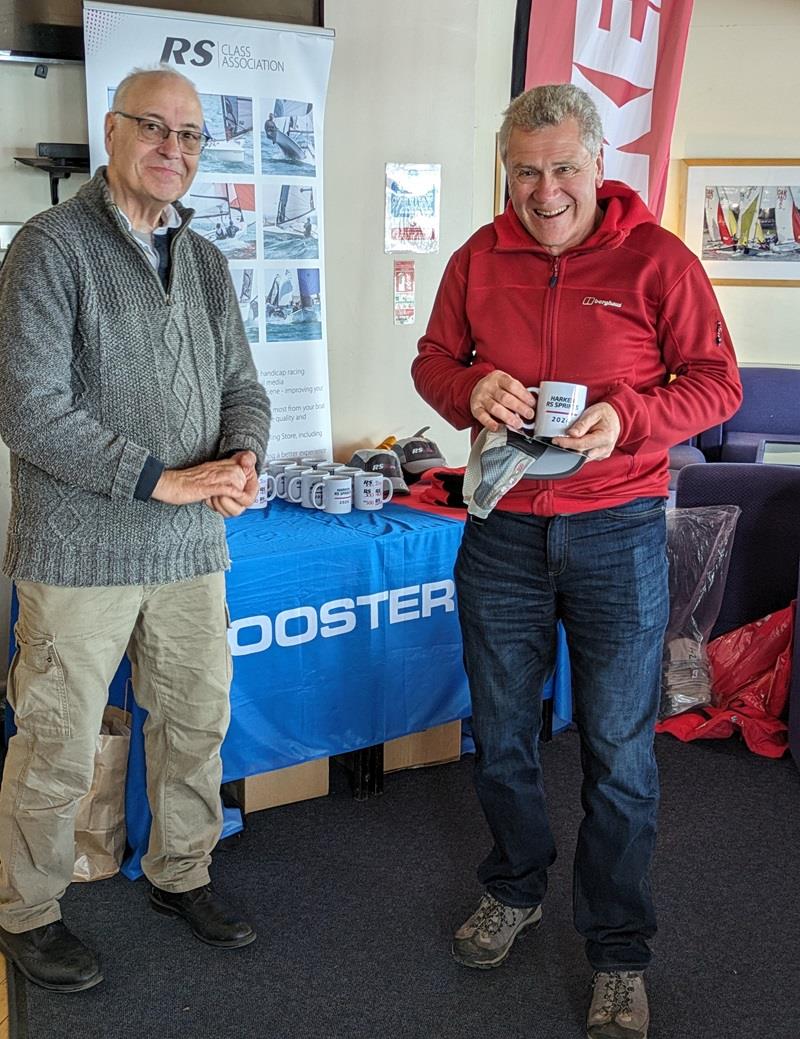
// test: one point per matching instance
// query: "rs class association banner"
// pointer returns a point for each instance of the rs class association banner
(628, 55)
(257, 194)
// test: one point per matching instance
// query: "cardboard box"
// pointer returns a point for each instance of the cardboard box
(285, 785)
(430, 747)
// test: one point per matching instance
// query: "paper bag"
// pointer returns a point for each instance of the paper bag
(100, 822)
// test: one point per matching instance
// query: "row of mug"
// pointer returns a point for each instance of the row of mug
(329, 486)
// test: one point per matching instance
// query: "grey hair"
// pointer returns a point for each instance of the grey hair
(136, 75)
(550, 106)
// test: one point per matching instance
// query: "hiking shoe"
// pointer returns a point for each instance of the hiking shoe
(486, 938)
(619, 1007)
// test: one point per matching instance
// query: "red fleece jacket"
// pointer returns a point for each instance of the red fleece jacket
(620, 313)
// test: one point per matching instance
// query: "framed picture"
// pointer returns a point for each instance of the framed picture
(742, 218)
(499, 179)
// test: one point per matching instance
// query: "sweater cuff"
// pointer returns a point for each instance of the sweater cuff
(149, 477)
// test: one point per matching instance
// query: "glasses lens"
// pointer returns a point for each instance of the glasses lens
(151, 132)
(191, 143)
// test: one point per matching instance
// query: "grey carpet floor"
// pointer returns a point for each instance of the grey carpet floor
(355, 903)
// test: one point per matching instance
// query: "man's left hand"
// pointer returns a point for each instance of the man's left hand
(595, 432)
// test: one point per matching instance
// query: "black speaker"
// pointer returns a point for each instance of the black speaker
(69, 152)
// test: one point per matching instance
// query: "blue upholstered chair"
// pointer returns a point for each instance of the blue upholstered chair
(683, 454)
(770, 410)
(765, 559)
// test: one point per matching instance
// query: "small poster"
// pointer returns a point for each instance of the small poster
(404, 292)
(412, 207)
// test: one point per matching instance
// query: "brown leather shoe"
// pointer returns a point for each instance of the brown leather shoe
(52, 957)
(211, 919)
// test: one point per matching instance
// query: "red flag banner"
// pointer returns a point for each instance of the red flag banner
(628, 55)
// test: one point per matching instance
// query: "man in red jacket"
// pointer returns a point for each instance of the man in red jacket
(575, 282)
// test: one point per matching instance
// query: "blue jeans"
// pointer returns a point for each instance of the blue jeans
(604, 575)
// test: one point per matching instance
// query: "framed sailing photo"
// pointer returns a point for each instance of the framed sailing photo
(742, 218)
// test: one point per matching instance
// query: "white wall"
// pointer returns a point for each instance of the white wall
(404, 88)
(426, 81)
(389, 62)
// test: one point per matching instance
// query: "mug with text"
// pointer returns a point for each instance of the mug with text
(333, 494)
(558, 404)
(282, 479)
(266, 491)
(371, 490)
(299, 487)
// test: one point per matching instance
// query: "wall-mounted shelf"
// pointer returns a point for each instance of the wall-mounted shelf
(56, 169)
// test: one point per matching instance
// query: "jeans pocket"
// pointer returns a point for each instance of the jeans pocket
(37, 690)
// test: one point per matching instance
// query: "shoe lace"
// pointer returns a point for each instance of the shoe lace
(491, 915)
(617, 994)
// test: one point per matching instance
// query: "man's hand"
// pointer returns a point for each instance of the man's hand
(595, 432)
(229, 505)
(501, 400)
(246, 459)
(225, 477)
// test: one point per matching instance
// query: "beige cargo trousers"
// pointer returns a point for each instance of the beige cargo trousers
(69, 644)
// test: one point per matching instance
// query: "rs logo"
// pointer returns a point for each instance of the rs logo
(175, 48)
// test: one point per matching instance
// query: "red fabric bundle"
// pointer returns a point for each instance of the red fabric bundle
(751, 670)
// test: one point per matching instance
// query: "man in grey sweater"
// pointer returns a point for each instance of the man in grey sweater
(135, 420)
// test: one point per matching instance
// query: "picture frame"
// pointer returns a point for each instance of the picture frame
(499, 179)
(742, 219)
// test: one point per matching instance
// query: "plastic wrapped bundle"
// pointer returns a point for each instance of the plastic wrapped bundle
(699, 543)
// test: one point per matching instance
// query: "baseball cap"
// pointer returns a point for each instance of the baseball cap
(386, 462)
(418, 453)
(500, 459)
(548, 462)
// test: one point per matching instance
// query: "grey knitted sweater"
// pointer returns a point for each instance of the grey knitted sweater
(101, 372)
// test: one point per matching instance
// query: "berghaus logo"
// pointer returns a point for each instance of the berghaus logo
(593, 301)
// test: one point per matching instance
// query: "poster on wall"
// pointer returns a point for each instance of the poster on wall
(413, 200)
(258, 192)
(405, 281)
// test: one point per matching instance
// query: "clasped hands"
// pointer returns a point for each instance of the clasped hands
(501, 400)
(227, 486)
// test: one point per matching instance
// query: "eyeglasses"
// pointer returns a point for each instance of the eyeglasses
(151, 131)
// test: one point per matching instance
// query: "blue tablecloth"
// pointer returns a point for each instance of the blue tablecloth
(344, 633)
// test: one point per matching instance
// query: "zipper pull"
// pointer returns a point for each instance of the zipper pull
(554, 275)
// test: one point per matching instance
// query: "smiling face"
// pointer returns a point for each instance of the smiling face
(553, 182)
(145, 177)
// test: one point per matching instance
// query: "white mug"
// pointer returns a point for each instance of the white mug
(282, 479)
(277, 467)
(299, 487)
(558, 405)
(266, 491)
(330, 467)
(333, 494)
(371, 490)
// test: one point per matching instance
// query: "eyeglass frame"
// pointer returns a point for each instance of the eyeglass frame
(139, 119)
